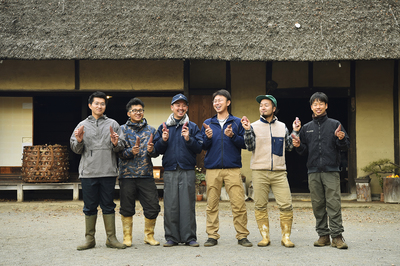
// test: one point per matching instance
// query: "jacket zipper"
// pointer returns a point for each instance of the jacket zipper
(319, 143)
(272, 140)
(222, 143)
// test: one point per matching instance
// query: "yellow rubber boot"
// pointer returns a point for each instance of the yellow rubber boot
(149, 225)
(127, 229)
(286, 218)
(263, 226)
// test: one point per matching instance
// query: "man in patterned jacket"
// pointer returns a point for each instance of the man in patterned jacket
(136, 173)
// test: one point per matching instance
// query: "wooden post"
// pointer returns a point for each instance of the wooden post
(75, 191)
(20, 193)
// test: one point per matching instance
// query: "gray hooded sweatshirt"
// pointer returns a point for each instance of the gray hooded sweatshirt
(98, 154)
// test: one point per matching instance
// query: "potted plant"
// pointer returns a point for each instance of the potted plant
(380, 168)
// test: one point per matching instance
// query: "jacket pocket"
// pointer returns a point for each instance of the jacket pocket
(277, 146)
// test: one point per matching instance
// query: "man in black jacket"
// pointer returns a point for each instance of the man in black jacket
(322, 139)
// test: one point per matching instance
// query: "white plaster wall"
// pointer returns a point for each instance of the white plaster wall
(16, 128)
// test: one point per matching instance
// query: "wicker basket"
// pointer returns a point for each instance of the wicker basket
(45, 163)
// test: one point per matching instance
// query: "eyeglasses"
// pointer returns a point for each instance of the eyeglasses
(140, 111)
(218, 101)
(101, 104)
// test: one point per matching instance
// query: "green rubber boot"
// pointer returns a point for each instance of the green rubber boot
(90, 223)
(109, 224)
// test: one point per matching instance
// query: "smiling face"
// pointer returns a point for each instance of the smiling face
(179, 108)
(267, 108)
(220, 104)
(319, 107)
(98, 107)
(136, 113)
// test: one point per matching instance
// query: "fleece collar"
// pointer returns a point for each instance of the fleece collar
(172, 122)
(262, 119)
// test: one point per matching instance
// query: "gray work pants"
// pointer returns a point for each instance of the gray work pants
(179, 205)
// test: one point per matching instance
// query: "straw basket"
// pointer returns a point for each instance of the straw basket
(45, 163)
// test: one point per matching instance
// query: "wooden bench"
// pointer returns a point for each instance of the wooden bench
(74, 186)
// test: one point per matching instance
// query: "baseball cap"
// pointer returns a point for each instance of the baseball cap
(259, 98)
(178, 97)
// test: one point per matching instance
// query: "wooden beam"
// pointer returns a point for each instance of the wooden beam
(186, 78)
(268, 74)
(305, 93)
(228, 78)
(311, 75)
(77, 75)
(352, 155)
(396, 113)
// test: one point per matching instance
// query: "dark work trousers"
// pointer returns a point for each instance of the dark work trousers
(98, 191)
(326, 202)
(179, 205)
(143, 189)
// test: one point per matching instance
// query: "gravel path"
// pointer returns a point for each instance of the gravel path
(47, 233)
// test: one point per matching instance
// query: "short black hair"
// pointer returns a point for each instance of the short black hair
(320, 96)
(97, 94)
(224, 93)
(134, 101)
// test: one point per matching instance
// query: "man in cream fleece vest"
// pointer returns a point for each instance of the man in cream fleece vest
(268, 139)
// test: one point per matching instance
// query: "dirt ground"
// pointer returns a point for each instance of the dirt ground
(47, 233)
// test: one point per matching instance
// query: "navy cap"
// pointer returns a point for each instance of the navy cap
(178, 97)
(259, 98)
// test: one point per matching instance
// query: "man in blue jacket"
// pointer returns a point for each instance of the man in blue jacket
(223, 141)
(322, 139)
(136, 173)
(179, 140)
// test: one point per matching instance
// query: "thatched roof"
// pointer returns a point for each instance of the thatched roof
(200, 29)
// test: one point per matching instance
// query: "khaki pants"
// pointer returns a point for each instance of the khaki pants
(233, 185)
(277, 181)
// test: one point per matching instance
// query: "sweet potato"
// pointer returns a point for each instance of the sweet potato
(245, 119)
(338, 129)
(185, 126)
(165, 127)
(137, 144)
(80, 130)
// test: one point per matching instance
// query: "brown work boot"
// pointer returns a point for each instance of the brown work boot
(338, 242)
(322, 241)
